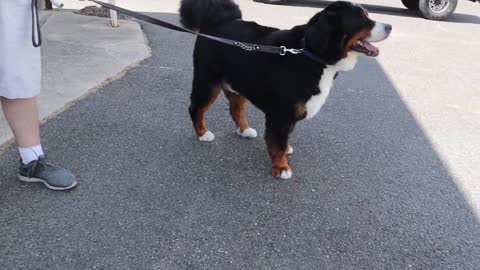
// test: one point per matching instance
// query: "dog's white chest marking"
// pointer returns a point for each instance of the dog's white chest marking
(316, 102)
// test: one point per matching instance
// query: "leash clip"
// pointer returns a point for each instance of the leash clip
(284, 50)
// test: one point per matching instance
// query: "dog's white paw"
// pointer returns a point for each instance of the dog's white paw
(289, 150)
(248, 133)
(207, 137)
(286, 174)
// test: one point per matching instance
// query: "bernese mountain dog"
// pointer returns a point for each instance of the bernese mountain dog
(286, 88)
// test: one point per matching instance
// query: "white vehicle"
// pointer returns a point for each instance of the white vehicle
(438, 10)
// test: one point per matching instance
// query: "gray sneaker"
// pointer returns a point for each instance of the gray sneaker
(52, 176)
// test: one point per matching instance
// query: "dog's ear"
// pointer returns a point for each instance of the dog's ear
(317, 32)
(323, 34)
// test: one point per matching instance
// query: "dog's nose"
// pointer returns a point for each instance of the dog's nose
(388, 28)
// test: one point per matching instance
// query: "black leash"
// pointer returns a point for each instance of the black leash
(36, 25)
(282, 50)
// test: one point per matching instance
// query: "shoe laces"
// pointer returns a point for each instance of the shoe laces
(41, 161)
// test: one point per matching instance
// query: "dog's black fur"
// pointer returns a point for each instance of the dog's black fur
(277, 85)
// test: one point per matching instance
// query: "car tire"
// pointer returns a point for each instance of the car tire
(411, 4)
(438, 10)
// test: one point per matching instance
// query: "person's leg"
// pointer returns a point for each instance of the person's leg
(22, 116)
(20, 83)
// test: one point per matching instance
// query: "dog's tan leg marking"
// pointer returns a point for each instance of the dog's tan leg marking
(200, 125)
(238, 108)
(280, 167)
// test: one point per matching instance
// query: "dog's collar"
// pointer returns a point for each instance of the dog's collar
(317, 59)
(313, 57)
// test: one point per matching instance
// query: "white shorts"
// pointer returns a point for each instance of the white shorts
(20, 66)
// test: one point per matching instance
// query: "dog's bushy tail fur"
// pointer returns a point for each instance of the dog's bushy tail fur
(203, 15)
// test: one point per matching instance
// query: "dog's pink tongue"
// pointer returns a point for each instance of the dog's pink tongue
(371, 48)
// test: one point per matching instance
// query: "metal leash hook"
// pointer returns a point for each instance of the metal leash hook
(284, 51)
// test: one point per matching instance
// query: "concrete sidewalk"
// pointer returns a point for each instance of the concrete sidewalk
(79, 54)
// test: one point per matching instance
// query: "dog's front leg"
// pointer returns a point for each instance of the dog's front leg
(276, 136)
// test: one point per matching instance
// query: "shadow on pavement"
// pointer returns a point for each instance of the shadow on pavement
(369, 191)
(404, 12)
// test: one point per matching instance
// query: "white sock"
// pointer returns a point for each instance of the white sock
(29, 154)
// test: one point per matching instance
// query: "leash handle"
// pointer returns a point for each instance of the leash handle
(36, 40)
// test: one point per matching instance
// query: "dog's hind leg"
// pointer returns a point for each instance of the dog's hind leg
(238, 107)
(204, 94)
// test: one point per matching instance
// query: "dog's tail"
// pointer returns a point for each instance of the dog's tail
(203, 15)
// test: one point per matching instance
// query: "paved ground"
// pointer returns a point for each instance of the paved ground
(374, 185)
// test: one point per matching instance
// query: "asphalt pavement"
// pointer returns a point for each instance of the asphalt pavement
(369, 190)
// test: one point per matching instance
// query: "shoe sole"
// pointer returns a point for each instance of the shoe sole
(38, 180)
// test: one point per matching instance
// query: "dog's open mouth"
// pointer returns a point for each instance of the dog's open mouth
(366, 47)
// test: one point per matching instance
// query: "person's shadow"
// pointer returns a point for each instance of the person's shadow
(404, 12)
